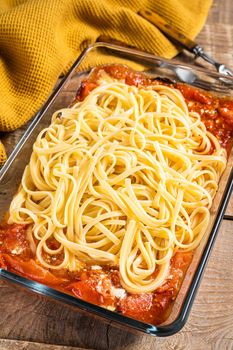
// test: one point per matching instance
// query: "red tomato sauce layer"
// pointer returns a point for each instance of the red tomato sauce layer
(93, 285)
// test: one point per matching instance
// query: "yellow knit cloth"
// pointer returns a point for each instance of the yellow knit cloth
(39, 39)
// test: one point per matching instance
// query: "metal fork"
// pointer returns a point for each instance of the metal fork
(180, 39)
(189, 77)
(185, 75)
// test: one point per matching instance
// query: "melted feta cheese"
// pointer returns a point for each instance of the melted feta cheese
(119, 293)
(96, 267)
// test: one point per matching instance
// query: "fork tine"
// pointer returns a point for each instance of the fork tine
(211, 87)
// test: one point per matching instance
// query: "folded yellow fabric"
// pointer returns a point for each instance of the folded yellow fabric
(39, 39)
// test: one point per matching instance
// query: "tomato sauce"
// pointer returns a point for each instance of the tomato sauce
(215, 112)
(96, 284)
(92, 285)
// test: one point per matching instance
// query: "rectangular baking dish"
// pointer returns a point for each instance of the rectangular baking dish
(64, 93)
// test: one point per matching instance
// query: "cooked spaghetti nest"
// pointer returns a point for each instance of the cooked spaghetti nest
(124, 178)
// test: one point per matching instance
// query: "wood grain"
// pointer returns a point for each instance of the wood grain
(6, 344)
(34, 320)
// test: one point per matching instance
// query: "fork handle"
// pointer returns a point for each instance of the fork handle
(180, 38)
(221, 68)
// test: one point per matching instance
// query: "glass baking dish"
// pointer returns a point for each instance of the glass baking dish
(63, 95)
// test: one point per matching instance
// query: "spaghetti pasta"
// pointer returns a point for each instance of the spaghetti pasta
(124, 178)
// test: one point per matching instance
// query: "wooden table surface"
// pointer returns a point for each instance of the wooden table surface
(32, 323)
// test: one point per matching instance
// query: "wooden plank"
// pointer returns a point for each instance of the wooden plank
(29, 317)
(221, 12)
(6, 344)
(229, 210)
